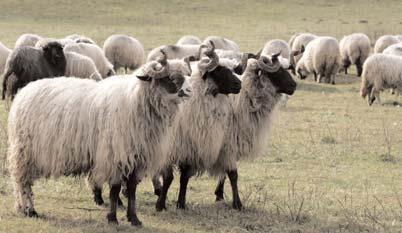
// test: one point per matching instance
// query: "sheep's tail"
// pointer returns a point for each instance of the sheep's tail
(5, 81)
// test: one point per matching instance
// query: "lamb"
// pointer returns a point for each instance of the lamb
(321, 57)
(189, 40)
(395, 49)
(108, 130)
(27, 40)
(381, 71)
(355, 49)
(195, 147)
(124, 51)
(80, 66)
(4, 52)
(222, 43)
(97, 55)
(250, 120)
(299, 42)
(27, 64)
(384, 41)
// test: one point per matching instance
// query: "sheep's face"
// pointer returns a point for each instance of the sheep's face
(222, 81)
(53, 52)
(302, 73)
(173, 85)
(282, 81)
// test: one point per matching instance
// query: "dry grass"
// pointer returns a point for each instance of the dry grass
(332, 163)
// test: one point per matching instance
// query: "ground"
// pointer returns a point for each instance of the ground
(331, 164)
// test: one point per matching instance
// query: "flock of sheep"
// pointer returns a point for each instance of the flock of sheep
(196, 106)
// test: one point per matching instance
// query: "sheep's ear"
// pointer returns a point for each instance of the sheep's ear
(145, 78)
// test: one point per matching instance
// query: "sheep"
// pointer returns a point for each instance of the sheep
(236, 61)
(299, 42)
(4, 52)
(276, 46)
(175, 51)
(384, 41)
(321, 57)
(354, 50)
(194, 147)
(189, 40)
(292, 39)
(109, 130)
(27, 40)
(381, 71)
(250, 120)
(80, 39)
(124, 51)
(80, 66)
(92, 51)
(395, 49)
(43, 41)
(28, 64)
(222, 43)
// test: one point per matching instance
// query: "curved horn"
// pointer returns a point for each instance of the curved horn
(270, 68)
(163, 59)
(274, 57)
(187, 60)
(158, 69)
(210, 63)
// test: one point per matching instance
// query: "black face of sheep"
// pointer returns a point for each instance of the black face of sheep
(226, 82)
(54, 54)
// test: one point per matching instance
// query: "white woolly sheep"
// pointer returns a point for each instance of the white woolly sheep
(27, 40)
(355, 49)
(292, 39)
(80, 66)
(222, 43)
(395, 49)
(381, 71)
(299, 43)
(384, 41)
(97, 55)
(124, 51)
(175, 51)
(276, 46)
(4, 53)
(80, 39)
(43, 41)
(189, 40)
(250, 120)
(208, 108)
(322, 58)
(108, 129)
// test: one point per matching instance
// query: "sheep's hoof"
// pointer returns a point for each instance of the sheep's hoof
(160, 205)
(237, 205)
(181, 206)
(31, 213)
(111, 219)
(98, 200)
(219, 198)
(120, 204)
(158, 191)
(134, 221)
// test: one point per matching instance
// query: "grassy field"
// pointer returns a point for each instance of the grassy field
(332, 164)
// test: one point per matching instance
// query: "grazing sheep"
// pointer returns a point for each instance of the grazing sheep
(80, 39)
(384, 42)
(4, 53)
(395, 49)
(381, 71)
(222, 43)
(189, 40)
(299, 42)
(28, 64)
(109, 130)
(27, 40)
(80, 66)
(175, 51)
(262, 87)
(322, 58)
(97, 55)
(194, 140)
(355, 49)
(292, 39)
(276, 46)
(124, 51)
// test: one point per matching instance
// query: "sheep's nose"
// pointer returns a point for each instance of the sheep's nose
(183, 93)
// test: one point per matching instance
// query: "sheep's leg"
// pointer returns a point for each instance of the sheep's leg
(233, 176)
(167, 181)
(114, 196)
(184, 178)
(315, 76)
(125, 70)
(24, 202)
(132, 183)
(359, 69)
(97, 192)
(375, 94)
(157, 184)
(219, 191)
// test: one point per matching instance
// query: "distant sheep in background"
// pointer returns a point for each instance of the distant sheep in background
(124, 52)
(300, 41)
(189, 40)
(97, 55)
(222, 43)
(80, 39)
(4, 53)
(395, 49)
(355, 49)
(27, 40)
(384, 42)
(80, 66)
(44, 41)
(175, 51)
(281, 47)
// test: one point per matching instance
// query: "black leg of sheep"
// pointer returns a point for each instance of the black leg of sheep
(167, 181)
(185, 174)
(233, 176)
(97, 192)
(132, 183)
(114, 196)
(219, 191)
